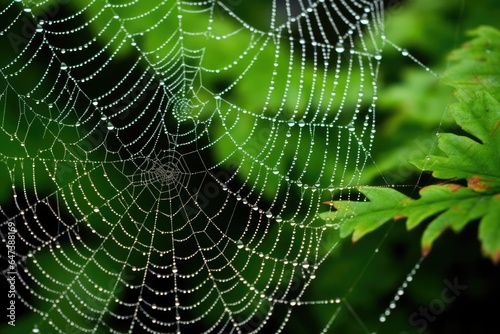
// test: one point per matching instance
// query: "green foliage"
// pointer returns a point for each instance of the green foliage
(410, 105)
(474, 156)
(411, 102)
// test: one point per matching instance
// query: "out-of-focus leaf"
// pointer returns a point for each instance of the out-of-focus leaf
(477, 64)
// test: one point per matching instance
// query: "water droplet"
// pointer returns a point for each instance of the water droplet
(404, 53)
(302, 41)
(302, 123)
(364, 19)
(382, 318)
(305, 264)
(240, 244)
(339, 47)
(276, 171)
(35, 329)
(293, 302)
(64, 67)
(269, 214)
(291, 122)
(39, 28)
(154, 306)
(110, 126)
(96, 209)
(175, 270)
(95, 103)
(279, 219)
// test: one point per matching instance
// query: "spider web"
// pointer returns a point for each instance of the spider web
(165, 161)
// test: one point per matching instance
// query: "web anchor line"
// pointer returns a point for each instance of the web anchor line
(405, 53)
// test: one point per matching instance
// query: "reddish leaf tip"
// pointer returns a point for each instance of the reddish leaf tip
(356, 236)
(476, 183)
(495, 257)
(426, 250)
(399, 217)
(454, 187)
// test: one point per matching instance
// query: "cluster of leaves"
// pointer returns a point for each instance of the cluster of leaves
(473, 155)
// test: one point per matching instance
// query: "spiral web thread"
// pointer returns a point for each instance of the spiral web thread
(165, 162)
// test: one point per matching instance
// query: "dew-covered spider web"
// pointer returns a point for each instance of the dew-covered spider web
(163, 163)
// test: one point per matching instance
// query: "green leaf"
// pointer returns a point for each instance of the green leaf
(465, 157)
(448, 206)
(473, 156)
(367, 216)
(489, 230)
(455, 206)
